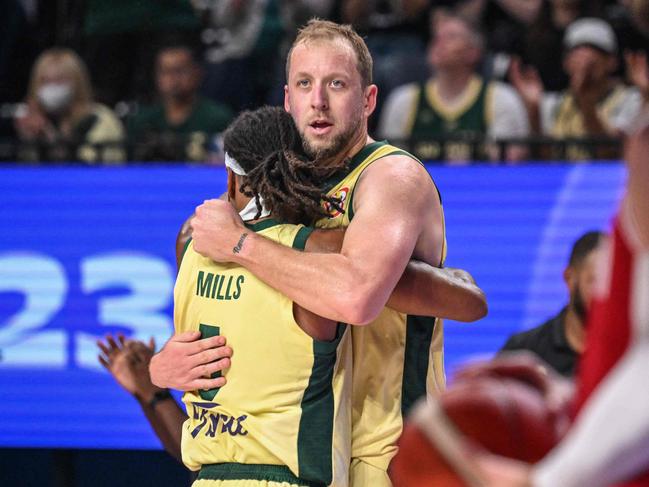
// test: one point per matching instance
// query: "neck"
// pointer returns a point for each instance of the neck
(178, 109)
(451, 83)
(357, 143)
(574, 329)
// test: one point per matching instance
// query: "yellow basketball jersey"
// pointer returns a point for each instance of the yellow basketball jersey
(394, 364)
(287, 397)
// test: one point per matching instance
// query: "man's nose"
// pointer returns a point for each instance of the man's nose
(319, 99)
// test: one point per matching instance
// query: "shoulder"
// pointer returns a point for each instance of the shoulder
(399, 175)
(504, 94)
(218, 115)
(532, 339)
(396, 111)
(106, 125)
(404, 92)
(146, 117)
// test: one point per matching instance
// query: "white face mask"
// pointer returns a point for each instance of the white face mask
(54, 96)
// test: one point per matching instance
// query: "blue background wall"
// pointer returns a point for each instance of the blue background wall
(87, 251)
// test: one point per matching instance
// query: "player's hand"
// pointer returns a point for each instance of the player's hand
(217, 230)
(186, 362)
(128, 362)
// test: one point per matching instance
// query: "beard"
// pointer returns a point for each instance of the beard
(334, 149)
(579, 304)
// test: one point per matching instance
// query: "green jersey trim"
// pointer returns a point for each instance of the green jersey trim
(419, 335)
(262, 224)
(301, 237)
(315, 434)
(243, 471)
(185, 247)
(397, 152)
(356, 161)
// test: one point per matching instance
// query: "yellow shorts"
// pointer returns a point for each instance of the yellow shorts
(362, 474)
(244, 475)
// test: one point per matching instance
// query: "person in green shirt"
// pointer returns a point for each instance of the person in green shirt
(182, 123)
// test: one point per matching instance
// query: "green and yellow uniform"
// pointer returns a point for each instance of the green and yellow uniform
(284, 415)
(429, 116)
(394, 364)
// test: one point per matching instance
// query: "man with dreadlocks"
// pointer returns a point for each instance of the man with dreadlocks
(290, 422)
(277, 407)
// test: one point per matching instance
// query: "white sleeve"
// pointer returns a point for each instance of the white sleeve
(609, 442)
(398, 108)
(627, 111)
(509, 115)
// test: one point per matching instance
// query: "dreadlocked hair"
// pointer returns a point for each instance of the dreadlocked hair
(268, 147)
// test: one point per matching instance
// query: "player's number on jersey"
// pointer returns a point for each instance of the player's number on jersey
(208, 331)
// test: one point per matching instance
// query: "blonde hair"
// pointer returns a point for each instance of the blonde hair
(72, 65)
(319, 30)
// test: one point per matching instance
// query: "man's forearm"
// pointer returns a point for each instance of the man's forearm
(429, 291)
(166, 418)
(329, 285)
(583, 458)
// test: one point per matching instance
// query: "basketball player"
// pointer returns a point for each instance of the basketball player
(609, 441)
(294, 436)
(283, 418)
(393, 212)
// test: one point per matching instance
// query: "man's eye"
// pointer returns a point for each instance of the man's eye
(337, 83)
(303, 82)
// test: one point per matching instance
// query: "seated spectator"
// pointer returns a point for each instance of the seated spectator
(454, 101)
(242, 40)
(61, 118)
(596, 104)
(120, 38)
(560, 340)
(182, 123)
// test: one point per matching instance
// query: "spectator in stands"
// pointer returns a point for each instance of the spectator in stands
(128, 363)
(120, 39)
(505, 23)
(560, 340)
(547, 30)
(454, 101)
(396, 34)
(182, 123)
(596, 104)
(242, 50)
(60, 114)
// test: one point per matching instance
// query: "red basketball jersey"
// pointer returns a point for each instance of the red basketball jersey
(611, 327)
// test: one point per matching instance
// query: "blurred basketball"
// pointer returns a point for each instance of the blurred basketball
(503, 415)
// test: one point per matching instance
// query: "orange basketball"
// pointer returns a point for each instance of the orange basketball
(503, 415)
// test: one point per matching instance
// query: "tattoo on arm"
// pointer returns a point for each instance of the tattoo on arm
(239, 246)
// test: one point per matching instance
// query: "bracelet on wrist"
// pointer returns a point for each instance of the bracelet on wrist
(159, 397)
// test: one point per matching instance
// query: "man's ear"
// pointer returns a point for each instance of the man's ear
(232, 185)
(569, 276)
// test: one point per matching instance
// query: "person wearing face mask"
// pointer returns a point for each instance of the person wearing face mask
(60, 120)
(560, 340)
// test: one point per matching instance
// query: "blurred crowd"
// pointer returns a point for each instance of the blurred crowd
(459, 80)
